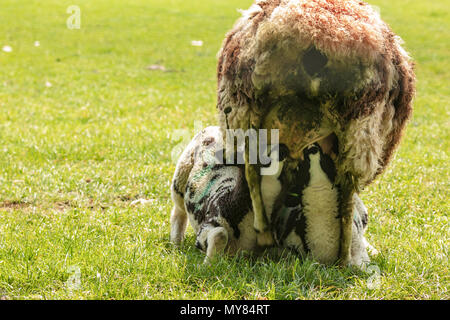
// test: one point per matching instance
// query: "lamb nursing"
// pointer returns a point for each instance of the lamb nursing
(215, 198)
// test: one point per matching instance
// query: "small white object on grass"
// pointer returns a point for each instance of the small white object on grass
(142, 202)
(48, 84)
(7, 49)
(156, 67)
(197, 43)
(37, 43)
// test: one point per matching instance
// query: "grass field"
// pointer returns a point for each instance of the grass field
(87, 127)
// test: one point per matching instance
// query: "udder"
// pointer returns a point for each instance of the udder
(300, 122)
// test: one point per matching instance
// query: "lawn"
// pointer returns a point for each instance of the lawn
(88, 124)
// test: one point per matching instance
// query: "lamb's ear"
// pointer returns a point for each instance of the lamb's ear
(302, 175)
(327, 165)
(198, 245)
(201, 242)
(283, 152)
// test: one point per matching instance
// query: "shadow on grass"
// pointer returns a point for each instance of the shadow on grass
(269, 275)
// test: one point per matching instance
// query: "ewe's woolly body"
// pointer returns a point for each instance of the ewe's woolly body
(363, 93)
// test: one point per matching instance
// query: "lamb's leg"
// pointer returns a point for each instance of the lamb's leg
(359, 256)
(178, 222)
(217, 242)
(346, 202)
(370, 249)
(179, 218)
(363, 215)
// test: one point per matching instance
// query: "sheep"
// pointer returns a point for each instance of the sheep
(317, 70)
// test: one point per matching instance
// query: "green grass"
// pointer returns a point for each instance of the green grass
(76, 154)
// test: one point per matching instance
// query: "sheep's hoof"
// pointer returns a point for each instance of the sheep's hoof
(261, 225)
(345, 262)
(264, 239)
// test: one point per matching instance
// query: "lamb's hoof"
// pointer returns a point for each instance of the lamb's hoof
(264, 239)
(206, 262)
(372, 251)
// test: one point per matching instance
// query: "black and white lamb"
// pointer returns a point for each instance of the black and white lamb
(214, 196)
(309, 220)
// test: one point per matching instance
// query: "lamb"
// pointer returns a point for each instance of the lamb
(213, 196)
(309, 221)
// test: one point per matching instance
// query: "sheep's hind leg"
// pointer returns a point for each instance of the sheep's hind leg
(346, 214)
(261, 225)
